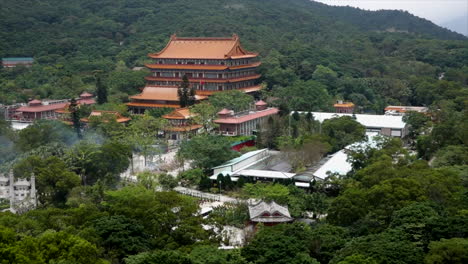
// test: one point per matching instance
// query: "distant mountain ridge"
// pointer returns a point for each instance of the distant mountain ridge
(382, 20)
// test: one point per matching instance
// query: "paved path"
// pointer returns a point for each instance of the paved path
(204, 195)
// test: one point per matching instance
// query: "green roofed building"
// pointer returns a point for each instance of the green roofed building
(15, 61)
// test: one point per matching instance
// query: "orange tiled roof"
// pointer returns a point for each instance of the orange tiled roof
(200, 66)
(203, 48)
(344, 105)
(183, 128)
(181, 113)
(118, 117)
(207, 80)
(153, 105)
(158, 93)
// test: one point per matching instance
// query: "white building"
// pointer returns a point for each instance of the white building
(386, 125)
(21, 193)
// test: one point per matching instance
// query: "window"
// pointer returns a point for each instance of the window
(200, 75)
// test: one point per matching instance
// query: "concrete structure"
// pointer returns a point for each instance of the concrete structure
(210, 64)
(244, 123)
(386, 125)
(269, 213)
(402, 110)
(17, 61)
(21, 194)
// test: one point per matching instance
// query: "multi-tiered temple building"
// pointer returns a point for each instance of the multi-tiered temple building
(211, 65)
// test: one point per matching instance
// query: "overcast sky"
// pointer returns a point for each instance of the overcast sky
(438, 11)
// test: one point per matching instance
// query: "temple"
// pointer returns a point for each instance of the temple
(181, 124)
(269, 213)
(211, 65)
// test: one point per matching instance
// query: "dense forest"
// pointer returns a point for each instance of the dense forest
(406, 202)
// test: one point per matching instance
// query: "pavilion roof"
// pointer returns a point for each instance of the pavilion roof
(118, 117)
(225, 111)
(35, 101)
(180, 113)
(183, 128)
(260, 103)
(269, 213)
(348, 104)
(203, 48)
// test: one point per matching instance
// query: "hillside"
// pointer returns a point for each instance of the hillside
(293, 38)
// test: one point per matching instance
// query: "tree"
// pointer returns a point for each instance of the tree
(285, 243)
(101, 90)
(453, 250)
(417, 123)
(206, 151)
(43, 132)
(121, 236)
(186, 93)
(343, 131)
(204, 114)
(391, 246)
(73, 109)
(191, 177)
(233, 100)
(167, 181)
(145, 132)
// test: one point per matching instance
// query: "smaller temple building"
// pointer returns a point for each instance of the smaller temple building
(180, 124)
(37, 109)
(48, 109)
(17, 61)
(269, 213)
(106, 116)
(244, 123)
(344, 107)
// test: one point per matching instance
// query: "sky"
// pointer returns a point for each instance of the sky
(438, 11)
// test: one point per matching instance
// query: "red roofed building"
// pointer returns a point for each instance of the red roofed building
(244, 123)
(211, 65)
(37, 109)
(180, 124)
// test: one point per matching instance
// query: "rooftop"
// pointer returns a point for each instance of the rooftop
(365, 119)
(41, 108)
(118, 117)
(180, 113)
(269, 212)
(162, 93)
(203, 48)
(247, 116)
(241, 158)
(18, 59)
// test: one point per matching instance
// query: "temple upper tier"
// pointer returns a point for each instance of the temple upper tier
(211, 65)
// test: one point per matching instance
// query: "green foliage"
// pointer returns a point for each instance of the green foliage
(191, 177)
(305, 96)
(186, 93)
(448, 251)
(43, 132)
(343, 131)
(206, 151)
(204, 114)
(279, 244)
(101, 91)
(234, 215)
(232, 100)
